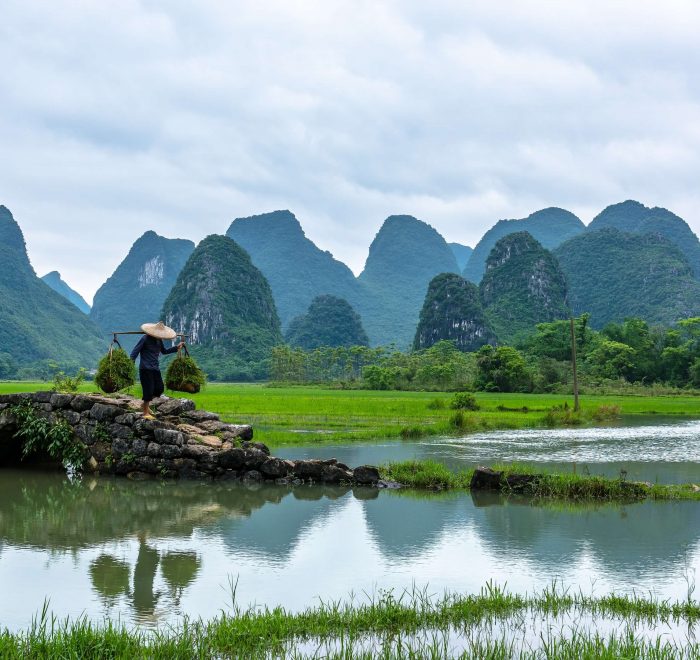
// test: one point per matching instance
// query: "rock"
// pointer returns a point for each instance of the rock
(312, 470)
(212, 425)
(254, 458)
(332, 474)
(139, 447)
(120, 446)
(189, 429)
(521, 483)
(42, 397)
(91, 464)
(120, 431)
(366, 475)
(176, 407)
(147, 464)
(144, 426)
(261, 447)
(252, 476)
(196, 451)
(276, 467)
(137, 475)
(238, 432)
(201, 415)
(82, 403)
(128, 419)
(171, 451)
(485, 478)
(100, 450)
(154, 449)
(169, 437)
(61, 400)
(232, 459)
(71, 416)
(209, 441)
(104, 413)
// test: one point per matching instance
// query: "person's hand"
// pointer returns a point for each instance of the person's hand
(181, 344)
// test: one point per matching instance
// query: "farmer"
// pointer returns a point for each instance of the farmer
(150, 347)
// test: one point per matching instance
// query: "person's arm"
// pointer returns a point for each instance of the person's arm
(168, 351)
(137, 348)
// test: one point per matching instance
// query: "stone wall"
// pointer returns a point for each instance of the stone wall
(182, 442)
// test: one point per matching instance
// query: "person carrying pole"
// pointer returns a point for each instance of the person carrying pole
(150, 347)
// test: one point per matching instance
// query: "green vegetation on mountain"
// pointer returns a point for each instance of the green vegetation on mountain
(54, 280)
(615, 275)
(462, 254)
(39, 326)
(297, 270)
(550, 227)
(225, 305)
(523, 285)
(452, 311)
(403, 257)
(135, 292)
(635, 218)
(329, 321)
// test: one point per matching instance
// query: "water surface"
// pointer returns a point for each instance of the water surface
(652, 449)
(148, 553)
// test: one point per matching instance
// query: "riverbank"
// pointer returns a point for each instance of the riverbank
(536, 483)
(311, 415)
(493, 623)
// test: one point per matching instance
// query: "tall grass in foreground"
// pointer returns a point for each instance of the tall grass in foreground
(412, 624)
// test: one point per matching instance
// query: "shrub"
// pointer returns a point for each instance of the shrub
(64, 383)
(436, 404)
(116, 371)
(184, 375)
(464, 401)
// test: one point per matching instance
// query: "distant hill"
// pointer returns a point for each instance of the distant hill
(135, 292)
(550, 227)
(37, 323)
(462, 254)
(225, 304)
(615, 275)
(523, 285)
(53, 279)
(404, 256)
(297, 270)
(329, 321)
(634, 217)
(452, 311)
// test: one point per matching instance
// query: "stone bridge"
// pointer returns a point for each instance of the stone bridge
(182, 442)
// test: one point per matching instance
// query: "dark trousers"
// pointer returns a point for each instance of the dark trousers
(151, 383)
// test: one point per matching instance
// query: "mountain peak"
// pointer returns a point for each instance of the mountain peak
(12, 241)
(56, 282)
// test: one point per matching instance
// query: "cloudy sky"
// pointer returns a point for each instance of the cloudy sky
(118, 117)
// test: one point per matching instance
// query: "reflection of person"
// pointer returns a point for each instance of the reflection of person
(144, 576)
(150, 348)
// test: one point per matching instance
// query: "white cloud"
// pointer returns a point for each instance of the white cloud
(118, 117)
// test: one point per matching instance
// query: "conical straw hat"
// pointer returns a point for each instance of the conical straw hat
(159, 330)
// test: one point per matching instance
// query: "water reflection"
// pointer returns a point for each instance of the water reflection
(151, 552)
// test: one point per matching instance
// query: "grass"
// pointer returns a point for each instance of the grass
(411, 624)
(307, 415)
(427, 474)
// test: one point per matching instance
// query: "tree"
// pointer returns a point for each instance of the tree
(502, 369)
(611, 359)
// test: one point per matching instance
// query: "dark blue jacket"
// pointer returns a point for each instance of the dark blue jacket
(150, 349)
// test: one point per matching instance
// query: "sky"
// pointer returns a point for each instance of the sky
(117, 117)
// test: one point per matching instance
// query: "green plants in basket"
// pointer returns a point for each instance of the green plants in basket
(183, 375)
(116, 371)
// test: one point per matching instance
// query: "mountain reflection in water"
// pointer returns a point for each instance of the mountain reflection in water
(150, 552)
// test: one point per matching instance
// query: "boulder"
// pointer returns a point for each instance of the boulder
(176, 407)
(485, 478)
(277, 467)
(102, 412)
(366, 475)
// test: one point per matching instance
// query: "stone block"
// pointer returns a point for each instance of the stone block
(61, 400)
(169, 437)
(81, 403)
(127, 419)
(119, 431)
(176, 407)
(277, 467)
(232, 459)
(332, 474)
(154, 449)
(366, 475)
(104, 413)
(171, 451)
(139, 447)
(120, 446)
(485, 478)
(71, 416)
(201, 415)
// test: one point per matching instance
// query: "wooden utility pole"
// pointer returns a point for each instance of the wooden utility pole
(573, 363)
